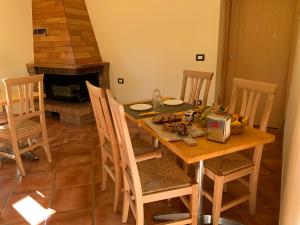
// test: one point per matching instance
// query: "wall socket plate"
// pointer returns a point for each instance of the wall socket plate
(120, 80)
(200, 57)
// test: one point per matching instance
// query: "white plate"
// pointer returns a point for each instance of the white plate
(140, 107)
(173, 102)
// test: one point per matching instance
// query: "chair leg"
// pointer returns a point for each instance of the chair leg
(18, 158)
(125, 210)
(253, 193)
(217, 199)
(140, 217)
(118, 187)
(46, 145)
(194, 204)
(104, 173)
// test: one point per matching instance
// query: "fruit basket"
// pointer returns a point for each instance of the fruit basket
(238, 123)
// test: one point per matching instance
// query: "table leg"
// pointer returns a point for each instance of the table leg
(199, 173)
(155, 143)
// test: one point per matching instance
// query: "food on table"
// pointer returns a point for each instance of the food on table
(204, 111)
(165, 118)
(201, 108)
(238, 122)
(203, 117)
(218, 109)
(235, 117)
(189, 115)
(180, 128)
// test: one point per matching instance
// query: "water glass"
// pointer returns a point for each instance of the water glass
(157, 101)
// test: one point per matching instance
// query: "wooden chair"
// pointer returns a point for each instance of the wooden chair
(151, 180)
(3, 114)
(235, 166)
(20, 117)
(197, 79)
(111, 164)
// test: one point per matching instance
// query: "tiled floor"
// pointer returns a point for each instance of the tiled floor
(71, 185)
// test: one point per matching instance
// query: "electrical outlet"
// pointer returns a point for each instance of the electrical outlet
(120, 80)
(200, 57)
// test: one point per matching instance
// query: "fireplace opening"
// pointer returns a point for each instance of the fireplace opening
(69, 88)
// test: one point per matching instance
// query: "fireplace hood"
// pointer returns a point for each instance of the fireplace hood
(64, 40)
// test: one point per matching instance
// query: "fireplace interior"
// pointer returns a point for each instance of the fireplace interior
(70, 88)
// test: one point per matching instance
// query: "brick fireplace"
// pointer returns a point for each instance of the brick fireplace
(67, 53)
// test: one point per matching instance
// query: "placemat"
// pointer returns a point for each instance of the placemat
(167, 109)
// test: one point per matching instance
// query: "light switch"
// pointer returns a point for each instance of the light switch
(200, 57)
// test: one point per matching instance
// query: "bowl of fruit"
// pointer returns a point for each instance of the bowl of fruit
(238, 123)
(204, 111)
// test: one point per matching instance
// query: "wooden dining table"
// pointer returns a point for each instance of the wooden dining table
(203, 150)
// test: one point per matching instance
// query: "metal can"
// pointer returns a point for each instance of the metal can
(218, 127)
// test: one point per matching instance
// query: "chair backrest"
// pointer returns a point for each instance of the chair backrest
(252, 93)
(197, 79)
(129, 167)
(24, 91)
(104, 121)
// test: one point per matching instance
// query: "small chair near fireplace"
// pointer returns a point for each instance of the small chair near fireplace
(26, 118)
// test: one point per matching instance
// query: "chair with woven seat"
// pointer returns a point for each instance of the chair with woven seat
(151, 180)
(190, 93)
(196, 78)
(3, 114)
(26, 119)
(236, 166)
(109, 149)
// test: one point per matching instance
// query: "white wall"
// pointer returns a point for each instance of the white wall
(149, 43)
(290, 199)
(16, 41)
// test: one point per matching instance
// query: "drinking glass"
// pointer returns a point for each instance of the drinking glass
(157, 101)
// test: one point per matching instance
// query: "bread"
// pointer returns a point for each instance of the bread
(165, 118)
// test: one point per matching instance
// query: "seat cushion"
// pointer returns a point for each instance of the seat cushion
(161, 175)
(22, 127)
(228, 164)
(140, 146)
